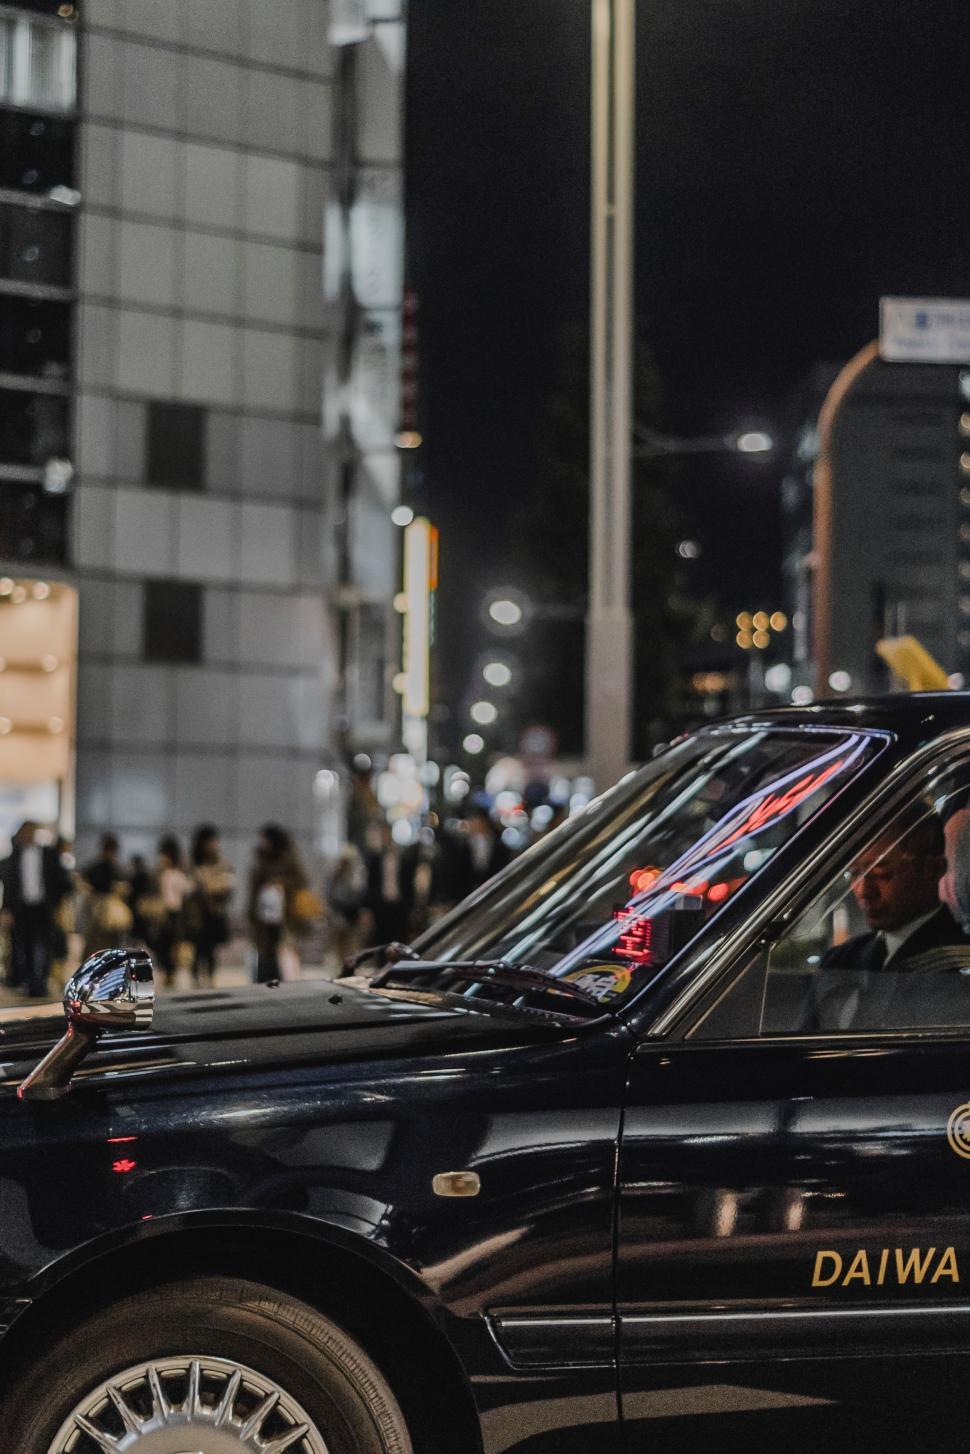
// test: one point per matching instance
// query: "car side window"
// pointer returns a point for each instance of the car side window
(887, 945)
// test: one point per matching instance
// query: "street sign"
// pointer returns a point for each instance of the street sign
(924, 330)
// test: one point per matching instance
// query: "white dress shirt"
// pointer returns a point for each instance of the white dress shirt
(31, 874)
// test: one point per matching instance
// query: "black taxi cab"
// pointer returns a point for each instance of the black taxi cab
(663, 1136)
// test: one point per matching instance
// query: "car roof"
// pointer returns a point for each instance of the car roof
(913, 718)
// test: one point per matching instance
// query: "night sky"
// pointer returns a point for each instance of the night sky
(795, 162)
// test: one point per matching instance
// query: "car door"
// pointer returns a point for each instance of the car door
(794, 1215)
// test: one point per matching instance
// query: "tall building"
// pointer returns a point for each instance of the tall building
(899, 556)
(168, 171)
(363, 279)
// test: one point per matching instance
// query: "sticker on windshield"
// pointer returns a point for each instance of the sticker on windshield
(602, 980)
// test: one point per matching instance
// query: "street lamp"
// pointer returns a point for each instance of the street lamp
(506, 609)
(505, 613)
(651, 444)
(754, 441)
(497, 673)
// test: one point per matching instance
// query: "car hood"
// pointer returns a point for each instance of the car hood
(286, 1024)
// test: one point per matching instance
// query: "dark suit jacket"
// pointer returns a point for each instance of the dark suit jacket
(927, 981)
(57, 884)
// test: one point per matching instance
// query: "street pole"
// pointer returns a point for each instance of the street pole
(822, 527)
(609, 634)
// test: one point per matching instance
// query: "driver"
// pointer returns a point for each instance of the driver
(877, 979)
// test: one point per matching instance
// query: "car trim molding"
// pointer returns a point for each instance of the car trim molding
(773, 1332)
(540, 1341)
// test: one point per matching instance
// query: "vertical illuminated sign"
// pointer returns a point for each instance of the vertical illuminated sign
(420, 580)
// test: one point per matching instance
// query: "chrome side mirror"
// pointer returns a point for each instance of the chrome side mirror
(113, 990)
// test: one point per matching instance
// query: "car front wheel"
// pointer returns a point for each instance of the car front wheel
(211, 1366)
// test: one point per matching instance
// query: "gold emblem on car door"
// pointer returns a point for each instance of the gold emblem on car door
(958, 1130)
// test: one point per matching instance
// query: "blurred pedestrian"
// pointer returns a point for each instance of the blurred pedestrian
(487, 853)
(209, 905)
(422, 879)
(34, 885)
(364, 812)
(346, 888)
(65, 915)
(173, 887)
(107, 915)
(276, 883)
(383, 897)
(146, 906)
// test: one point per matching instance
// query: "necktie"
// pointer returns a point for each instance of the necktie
(878, 953)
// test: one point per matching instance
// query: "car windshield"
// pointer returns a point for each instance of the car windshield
(613, 895)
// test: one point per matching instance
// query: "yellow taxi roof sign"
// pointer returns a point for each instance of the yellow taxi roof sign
(912, 663)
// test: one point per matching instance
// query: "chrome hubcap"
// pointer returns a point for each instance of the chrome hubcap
(188, 1405)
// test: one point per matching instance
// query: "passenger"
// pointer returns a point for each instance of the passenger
(875, 979)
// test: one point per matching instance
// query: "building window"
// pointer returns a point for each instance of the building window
(173, 622)
(33, 525)
(36, 153)
(34, 428)
(38, 63)
(35, 337)
(35, 246)
(175, 446)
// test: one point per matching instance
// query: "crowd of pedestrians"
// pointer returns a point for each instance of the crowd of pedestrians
(193, 912)
(179, 906)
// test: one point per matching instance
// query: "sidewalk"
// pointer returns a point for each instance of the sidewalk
(227, 976)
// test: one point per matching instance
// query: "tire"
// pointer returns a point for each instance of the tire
(223, 1325)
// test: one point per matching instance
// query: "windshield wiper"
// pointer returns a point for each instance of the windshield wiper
(391, 952)
(492, 971)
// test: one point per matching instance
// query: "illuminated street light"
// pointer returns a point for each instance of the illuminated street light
(651, 443)
(497, 674)
(505, 612)
(754, 441)
(484, 713)
(402, 515)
